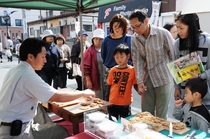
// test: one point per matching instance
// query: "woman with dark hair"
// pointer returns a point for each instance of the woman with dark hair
(171, 27)
(118, 30)
(76, 54)
(50, 69)
(192, 39)
(65, 56)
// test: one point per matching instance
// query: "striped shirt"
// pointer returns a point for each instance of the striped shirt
(156, 50)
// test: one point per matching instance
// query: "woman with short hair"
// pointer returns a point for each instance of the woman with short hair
(65, 55)
(118, 34)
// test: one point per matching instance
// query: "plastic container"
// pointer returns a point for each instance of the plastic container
(98, 124)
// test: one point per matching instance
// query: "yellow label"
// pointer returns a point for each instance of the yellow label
(184, 73)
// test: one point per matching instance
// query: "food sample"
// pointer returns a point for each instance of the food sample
(84, 104)
(156, 122)
(95, 100)
(156, 127)
(93, 104)
(178, 125)
(84, 108)
(89, 98)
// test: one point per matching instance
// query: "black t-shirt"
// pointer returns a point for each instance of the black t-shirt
(201, 110)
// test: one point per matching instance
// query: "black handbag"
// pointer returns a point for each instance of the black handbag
(69, 73)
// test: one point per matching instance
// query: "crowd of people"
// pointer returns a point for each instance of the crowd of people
(112, 65)
(11, 47)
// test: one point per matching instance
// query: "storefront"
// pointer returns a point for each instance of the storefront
(124, 8)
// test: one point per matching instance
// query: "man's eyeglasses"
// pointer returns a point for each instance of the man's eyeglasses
(136, 27)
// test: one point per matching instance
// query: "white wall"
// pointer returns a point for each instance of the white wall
(203, 17)
(179, 5)
(166, 17)
(204, 21)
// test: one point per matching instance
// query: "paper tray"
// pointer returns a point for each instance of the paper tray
(180, 132)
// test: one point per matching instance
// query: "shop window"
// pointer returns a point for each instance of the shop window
(18, 22)
(72, 27)
(37, 33)
(42, 29)
(68, 31)
(3, 22)
(13, 36)
(87, 28)
(50, 13)
(31, 31)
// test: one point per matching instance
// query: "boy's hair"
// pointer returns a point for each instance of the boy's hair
(31, 46)
(197, 85)
(140, 14)
(122, 48)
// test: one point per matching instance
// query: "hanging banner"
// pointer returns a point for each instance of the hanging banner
(124, 8)
(155, 13)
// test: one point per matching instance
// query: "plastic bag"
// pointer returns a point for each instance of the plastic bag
(68, 66)
(76, 70)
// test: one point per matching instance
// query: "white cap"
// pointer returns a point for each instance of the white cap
(99, 33)
(47, 33)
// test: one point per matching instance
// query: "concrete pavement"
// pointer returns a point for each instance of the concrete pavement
(71, 83)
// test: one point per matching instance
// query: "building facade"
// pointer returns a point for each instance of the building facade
(13, 27)
(65, 23)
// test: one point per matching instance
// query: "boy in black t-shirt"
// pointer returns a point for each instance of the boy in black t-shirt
(193, 113)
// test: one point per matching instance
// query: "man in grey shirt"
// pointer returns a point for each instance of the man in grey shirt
(152, 49)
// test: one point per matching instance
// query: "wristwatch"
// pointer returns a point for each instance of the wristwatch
(199, 75)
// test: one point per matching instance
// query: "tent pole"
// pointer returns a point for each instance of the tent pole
(81, 43)
(25, 34)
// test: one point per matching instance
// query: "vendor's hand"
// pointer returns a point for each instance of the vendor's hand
(177, 94)
(178, 103)
(88, 92)
(141, 88)
(88, 84)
